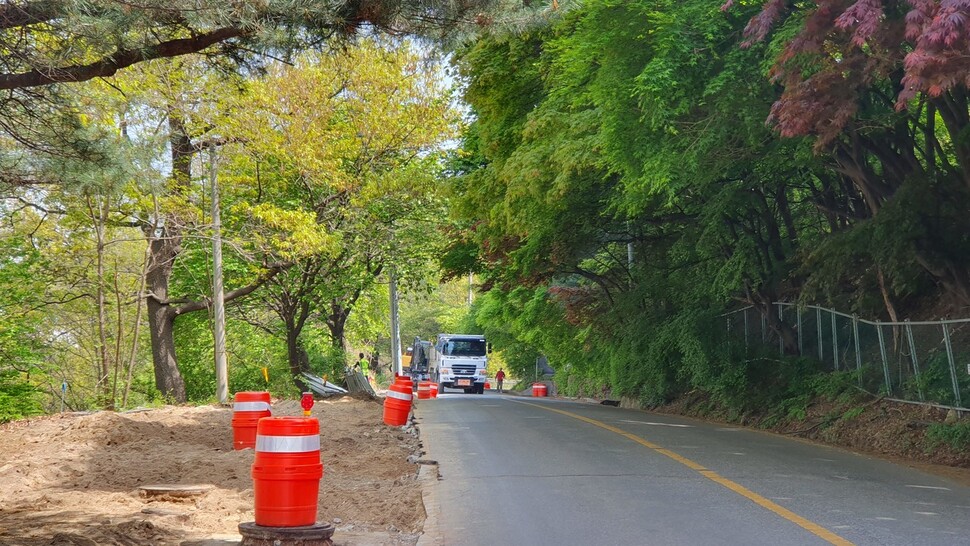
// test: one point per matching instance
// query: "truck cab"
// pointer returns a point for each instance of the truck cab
(458, 361)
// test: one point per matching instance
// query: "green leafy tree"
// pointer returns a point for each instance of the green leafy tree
(626, 178)
(350, 162)
(881, 88)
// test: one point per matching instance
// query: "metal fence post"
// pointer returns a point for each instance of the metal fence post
(835, 343)
(915, 360)
(885, 361)
(953, 364)
(858, 352)
(764, 330)
(818, 324)
(781, 338)
(798, 320)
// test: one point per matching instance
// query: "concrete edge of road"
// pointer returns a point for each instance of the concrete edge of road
(428, 476)
(428, 479)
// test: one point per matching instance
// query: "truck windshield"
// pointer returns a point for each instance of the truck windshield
(464, 347)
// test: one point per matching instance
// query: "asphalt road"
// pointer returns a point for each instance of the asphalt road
(522, 471)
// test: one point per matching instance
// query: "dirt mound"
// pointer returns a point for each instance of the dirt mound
(74, 479)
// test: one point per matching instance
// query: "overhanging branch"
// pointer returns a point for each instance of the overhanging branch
(20, 15)
(198, 305)
(120, 59)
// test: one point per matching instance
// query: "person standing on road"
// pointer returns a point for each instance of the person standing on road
(364, 366)
(499, 377)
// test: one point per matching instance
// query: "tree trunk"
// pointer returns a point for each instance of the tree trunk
(105, 397)
(163, 249)
(337, 324)
(297, 356)
(952, 107)
(168, 379)
(763, 301)
(164, 240)
(954, 278)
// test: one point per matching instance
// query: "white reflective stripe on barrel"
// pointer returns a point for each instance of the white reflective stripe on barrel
(251, 406)
(399, 395)
(287, 444)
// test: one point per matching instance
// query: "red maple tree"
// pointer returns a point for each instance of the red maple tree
(849, 55)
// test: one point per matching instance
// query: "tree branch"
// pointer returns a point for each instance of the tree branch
(198, 305)
(21, 15)
(120, 59)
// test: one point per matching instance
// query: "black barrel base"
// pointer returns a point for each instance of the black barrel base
(317, 534)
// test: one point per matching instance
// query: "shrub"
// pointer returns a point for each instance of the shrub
(956, 435)
(18, 398)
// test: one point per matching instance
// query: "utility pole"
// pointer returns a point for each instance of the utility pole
(395, 327)
(471, 293)
(218, 302)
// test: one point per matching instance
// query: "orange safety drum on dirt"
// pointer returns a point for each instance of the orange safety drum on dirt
(397, 404)
(248, 408)
(287, 471)
(538, 390)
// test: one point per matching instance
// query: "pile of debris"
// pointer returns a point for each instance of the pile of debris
(354, 379)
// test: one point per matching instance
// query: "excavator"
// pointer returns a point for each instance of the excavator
(420, 358)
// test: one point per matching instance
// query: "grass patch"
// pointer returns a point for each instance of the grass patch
(852, 414)
(956, 435)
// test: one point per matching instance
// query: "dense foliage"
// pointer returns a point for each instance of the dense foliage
(625, 189)
(326, 171)
(633, 169)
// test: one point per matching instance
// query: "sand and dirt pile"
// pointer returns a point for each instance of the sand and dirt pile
(74, 479)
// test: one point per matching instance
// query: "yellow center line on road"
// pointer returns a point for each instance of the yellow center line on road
(809, 526)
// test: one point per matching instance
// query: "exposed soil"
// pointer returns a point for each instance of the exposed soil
(73, 479)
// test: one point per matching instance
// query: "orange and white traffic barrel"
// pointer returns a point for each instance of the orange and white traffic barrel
(397, 403)
(538, 390)
(287, 471)
(248, 408)
(424, 390)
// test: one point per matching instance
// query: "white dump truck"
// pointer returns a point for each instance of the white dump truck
(458, 362)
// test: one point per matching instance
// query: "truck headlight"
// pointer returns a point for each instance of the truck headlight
(445, 370)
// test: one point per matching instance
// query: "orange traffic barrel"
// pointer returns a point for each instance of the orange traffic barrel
(397, 404)
(248, 408)
(538, 390)
(424, 390)
(287, 471)
(434, 390)
(488, 385)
